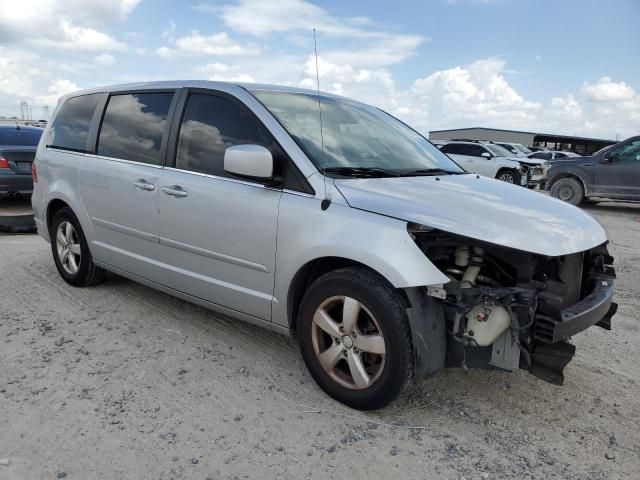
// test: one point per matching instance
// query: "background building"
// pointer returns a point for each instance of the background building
(579, 145)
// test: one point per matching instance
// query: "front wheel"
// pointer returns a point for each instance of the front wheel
(508, 176)
(355, 338)
(568, 190)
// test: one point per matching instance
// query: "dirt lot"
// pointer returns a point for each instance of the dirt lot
(120, 381)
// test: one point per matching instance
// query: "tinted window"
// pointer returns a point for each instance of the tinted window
(626, 153)
(454, 148)
(70, 128)
(210, 125)
(477, 150)
(560, 155)
(133, 126)
(23, 137)
(541, 155)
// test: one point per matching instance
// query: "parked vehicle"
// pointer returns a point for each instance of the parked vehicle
(612, 172)
(516, 149)
(17, 149)
(349, 228)
(552, 155)
(493, 161)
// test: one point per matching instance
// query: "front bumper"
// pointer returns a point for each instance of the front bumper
(597, 308)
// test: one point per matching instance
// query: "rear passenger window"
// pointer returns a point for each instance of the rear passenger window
(133, 126)
(70, 128)
(210, 124)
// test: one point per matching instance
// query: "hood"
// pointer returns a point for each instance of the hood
(526, 160)
(575, 161)
(533, 161)
(480, 208)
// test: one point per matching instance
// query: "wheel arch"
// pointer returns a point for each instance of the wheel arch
(54, 206)
(311, 271)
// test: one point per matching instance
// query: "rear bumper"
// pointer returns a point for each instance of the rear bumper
(12, 183)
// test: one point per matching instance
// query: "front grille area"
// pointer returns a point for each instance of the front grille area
(570, 274)
(578, 275)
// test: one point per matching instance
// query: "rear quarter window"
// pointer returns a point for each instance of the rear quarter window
(70, 128)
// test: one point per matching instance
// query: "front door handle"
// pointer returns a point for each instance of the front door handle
(174, 191)
(142, 184)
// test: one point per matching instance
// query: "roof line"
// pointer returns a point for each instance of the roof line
(520, 131)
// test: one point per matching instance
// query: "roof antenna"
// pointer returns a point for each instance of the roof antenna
(326, 201)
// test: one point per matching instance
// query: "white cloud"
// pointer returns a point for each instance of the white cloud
(606, 90)
(16, 73)
(70, 24)
(57, 88)
(376, 46)
(216, 44)
(105, 59)
(225, 73)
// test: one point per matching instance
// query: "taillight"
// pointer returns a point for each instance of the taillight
(4, 163)
(34, 172)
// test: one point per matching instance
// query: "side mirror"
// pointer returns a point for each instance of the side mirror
(485, 155)
(253, 161)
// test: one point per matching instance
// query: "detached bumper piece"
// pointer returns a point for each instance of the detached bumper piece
(555, 324)
(548, 361)
(597, 308)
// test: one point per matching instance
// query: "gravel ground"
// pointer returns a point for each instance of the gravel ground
(120, 381)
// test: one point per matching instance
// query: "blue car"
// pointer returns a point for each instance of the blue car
(18, 146)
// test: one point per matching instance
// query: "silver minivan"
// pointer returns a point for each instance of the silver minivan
(316, 215)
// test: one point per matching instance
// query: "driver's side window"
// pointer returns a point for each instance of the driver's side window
(626, 153)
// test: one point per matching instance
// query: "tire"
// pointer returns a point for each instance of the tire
(377, 349)
(71, 252)
(568, 190)
(509, 176)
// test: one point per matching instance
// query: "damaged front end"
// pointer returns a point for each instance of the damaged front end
(508, 309)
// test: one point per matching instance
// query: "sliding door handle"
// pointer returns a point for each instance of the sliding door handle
(142, 184)
(174, 191)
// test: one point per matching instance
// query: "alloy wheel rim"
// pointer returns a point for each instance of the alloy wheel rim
(348, 342)
(506, 177)
(68, 247)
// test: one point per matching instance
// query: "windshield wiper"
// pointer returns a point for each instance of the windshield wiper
(362, 171)
(430, 171)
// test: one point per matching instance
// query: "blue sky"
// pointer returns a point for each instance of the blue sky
(558, 66)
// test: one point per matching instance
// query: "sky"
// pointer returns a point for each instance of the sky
(567, 67)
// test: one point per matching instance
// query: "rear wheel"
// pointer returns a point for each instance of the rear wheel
(568, 190)
(71, 252)
(355, 338)
(508, 176)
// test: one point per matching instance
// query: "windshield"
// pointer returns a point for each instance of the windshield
(521, 147)
(20, 137)
(353, 135)
(497, 150)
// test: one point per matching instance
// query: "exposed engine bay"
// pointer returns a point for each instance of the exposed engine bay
(509, 309)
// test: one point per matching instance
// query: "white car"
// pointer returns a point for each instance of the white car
(491, 160)
(552, 155)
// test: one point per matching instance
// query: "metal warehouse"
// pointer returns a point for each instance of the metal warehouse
(579, 145)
